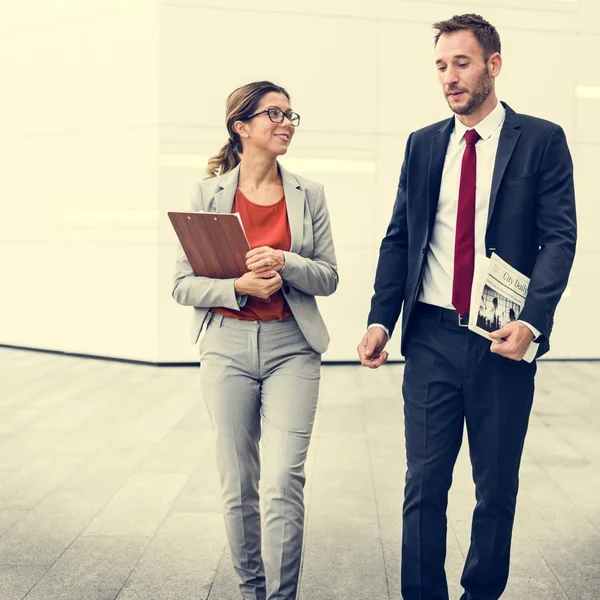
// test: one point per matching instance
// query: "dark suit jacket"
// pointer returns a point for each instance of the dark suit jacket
(531, 220)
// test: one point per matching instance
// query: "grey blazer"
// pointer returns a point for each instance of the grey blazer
(310, 266)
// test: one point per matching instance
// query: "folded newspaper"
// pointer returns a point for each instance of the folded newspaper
(497, 298)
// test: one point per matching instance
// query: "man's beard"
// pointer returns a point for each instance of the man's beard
(477, 97)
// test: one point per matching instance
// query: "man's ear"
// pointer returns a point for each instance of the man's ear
(495, 64)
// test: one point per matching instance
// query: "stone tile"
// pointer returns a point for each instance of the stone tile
(526, 557)
(81, 504)
(114, 448)
(68, 416)
(391, 543)
(18, 450)
(541, 584)
(342, 482)
(9, 517)
(15, 582)
(181, 561)
(16, 419)
(179, 452)
(157, 420)
(581, 589)
(580, 484)
(23, 490)
(196, 419)
(38, 540)
(455, 560)
(100, 429)
(535, 526)
(226, 582)
(202, 492)
(94, 568)
(570, 559)
(381, 383)
(140, 506)
(339, 418)
(336, 568)
(337, 387)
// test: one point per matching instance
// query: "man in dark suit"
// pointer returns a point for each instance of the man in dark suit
(486, 180)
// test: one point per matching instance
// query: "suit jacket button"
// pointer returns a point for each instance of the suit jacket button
(286, 288)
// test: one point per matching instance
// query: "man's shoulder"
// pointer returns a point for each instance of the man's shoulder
(529, 122)
(429, 131)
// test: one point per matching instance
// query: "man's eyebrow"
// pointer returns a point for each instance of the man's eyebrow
(455, 57)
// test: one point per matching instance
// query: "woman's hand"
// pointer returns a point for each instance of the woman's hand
(261, 285)
(265, 259)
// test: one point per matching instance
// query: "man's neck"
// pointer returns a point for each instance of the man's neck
(473, 119)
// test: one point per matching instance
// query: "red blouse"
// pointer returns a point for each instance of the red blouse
(264, 226)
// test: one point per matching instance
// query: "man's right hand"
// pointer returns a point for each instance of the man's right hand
(261, 285)
(371, 348)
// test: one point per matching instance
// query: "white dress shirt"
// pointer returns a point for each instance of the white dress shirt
(436, 287)
(439, 262)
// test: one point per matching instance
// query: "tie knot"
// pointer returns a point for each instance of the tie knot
(472, 137)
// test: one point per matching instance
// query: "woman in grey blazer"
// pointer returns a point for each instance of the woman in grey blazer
(261, 350)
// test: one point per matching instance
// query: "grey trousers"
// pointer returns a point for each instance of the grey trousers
(260, 381)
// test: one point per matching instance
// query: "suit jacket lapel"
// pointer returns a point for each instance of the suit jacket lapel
(506, 146)
(437, 156)
(294, 201)
(223, 199)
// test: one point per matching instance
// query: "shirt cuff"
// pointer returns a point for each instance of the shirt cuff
(387, 331)
(536, 333)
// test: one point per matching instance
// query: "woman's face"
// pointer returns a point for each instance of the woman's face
(262, 134)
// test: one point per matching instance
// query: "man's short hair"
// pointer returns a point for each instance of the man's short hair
(484, 32)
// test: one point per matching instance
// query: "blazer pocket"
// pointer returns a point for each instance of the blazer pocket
(523, 179)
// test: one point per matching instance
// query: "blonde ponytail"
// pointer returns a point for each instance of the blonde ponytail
(225, 160)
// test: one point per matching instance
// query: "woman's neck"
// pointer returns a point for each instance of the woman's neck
(258, 172)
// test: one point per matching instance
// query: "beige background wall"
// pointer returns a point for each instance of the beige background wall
(114, 107)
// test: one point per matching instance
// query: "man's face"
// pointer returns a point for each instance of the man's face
(463, 72)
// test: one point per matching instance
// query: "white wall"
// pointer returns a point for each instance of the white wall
(114, 107)
(78, 149)
(362, 77)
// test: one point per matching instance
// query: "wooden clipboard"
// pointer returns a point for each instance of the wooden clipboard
(214, 243)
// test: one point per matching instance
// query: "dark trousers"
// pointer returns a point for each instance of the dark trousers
(451, 378)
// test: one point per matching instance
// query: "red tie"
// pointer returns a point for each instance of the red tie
(464, 245)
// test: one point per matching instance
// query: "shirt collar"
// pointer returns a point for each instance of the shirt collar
(484, 128)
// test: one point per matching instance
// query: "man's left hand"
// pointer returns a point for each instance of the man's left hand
(517, 337)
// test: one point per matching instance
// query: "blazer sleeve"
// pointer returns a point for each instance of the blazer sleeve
(392, 266)
(316, 276)
(556, 233)
(202, 292)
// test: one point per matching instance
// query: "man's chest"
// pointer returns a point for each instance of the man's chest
(452, 182)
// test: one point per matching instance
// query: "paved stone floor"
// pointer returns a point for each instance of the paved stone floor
(108, 487)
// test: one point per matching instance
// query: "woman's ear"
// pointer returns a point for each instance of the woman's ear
(241, 129)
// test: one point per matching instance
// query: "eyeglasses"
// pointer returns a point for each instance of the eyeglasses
(277, 116)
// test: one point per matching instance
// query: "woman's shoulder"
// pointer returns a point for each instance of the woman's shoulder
(210, 184)
(309, 186)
